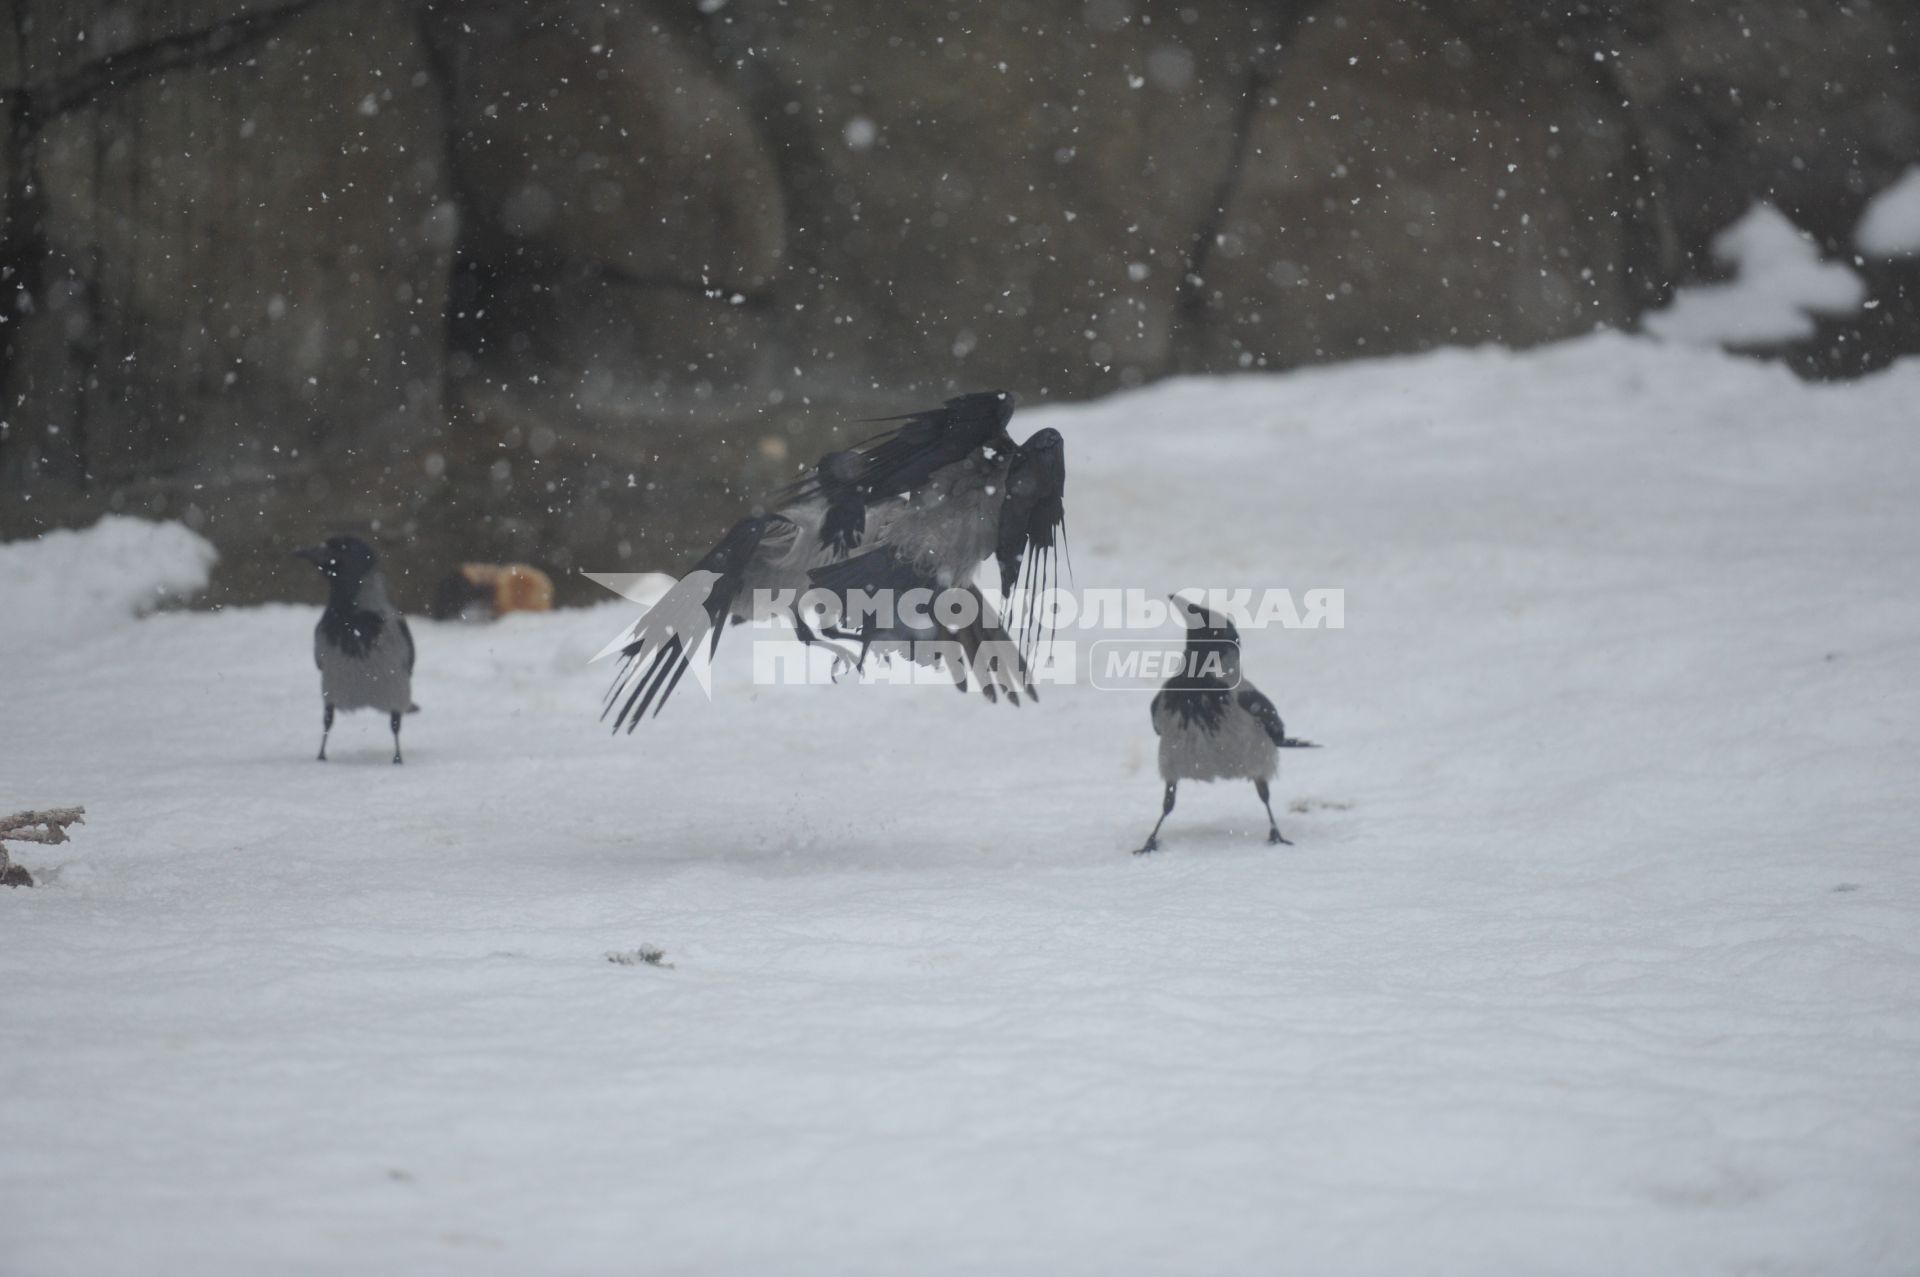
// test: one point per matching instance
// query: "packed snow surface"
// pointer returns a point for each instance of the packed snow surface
(1598, 950)
(1780, 284)
(1890, 227)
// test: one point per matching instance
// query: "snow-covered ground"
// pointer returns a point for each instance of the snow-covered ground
(1598, 952)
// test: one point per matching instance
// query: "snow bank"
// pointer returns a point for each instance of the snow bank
(1780, 285)
(67, 583)
(1891, 225)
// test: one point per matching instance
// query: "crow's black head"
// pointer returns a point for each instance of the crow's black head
(1045, 442)
(344, 559)
(1212, 659)
(1204, 626)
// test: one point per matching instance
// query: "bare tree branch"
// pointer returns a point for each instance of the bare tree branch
(130, 66)
(1263, 67)
(49, 827)
(46, 827)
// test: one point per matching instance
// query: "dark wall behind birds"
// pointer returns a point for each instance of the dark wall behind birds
(536, 281)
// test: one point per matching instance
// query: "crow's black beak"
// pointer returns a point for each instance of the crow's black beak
(313, 554)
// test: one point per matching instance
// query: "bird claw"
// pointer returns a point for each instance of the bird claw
(1152, 846)
(1275, 839)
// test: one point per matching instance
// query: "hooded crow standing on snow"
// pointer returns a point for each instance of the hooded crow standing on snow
(919, 506)
(1212, 723)
(362, 644)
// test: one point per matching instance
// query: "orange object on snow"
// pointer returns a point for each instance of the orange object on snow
(482, 591)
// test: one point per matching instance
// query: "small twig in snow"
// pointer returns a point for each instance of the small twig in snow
(645, 955)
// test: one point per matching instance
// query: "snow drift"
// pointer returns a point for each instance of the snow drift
(70, 582)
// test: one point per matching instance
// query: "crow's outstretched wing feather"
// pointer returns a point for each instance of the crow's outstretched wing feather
(901, 459)
(1032, 527)
(662, 644)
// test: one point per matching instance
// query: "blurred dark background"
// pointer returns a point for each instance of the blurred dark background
(573, 282)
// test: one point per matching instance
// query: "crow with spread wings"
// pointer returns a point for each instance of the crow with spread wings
(918, 506)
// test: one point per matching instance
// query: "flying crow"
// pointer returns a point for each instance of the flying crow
(997, 501)
(922, 504)
(1212, 723)
(362, 644)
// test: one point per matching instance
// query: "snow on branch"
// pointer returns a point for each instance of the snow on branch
(1780, 286)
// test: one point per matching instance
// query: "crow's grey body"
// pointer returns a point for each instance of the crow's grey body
(944, 531)
(370, 666)
(792, 548)
(1236, 748)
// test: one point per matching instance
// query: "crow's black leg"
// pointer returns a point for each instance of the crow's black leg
(326, 729)
(806, 634)
(396, 737)
(1153, 839)
(864, 638)
(1273, 826)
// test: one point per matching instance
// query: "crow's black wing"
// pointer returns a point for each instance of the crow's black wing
(1257, 704)
(879, 573)
(1032, 526)
(901, 459)
(407, 636)
(878, 569)
(843, 525)
(1034, 512)
(906, 458)
(665, 640)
